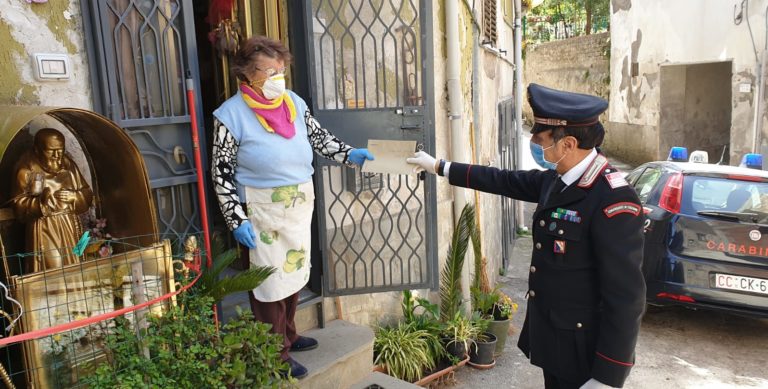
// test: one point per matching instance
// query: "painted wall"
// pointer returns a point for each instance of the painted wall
(52, 27)
(653, 33)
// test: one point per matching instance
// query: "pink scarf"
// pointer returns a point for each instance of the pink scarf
(276, 116)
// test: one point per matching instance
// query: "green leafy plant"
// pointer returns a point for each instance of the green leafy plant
(404, 351)
(460, 330)
(212, 284)
(484, 302)
(421, 314)
(450, 277)
(183, 349)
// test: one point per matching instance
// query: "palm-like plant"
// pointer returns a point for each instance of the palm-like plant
(450, 277)
(212, 284)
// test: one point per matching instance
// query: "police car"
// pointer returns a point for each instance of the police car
(706, 232)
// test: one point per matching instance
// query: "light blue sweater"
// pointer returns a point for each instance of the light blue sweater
(264, 159)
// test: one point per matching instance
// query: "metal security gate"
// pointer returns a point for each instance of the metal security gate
(143, 52)
(370, 78)
(507, 150)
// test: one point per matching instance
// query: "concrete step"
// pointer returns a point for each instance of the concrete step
(343, 358)
(381, 380)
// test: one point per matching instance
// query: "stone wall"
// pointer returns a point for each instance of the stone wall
(580, 64)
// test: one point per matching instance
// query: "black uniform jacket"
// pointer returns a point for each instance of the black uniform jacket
(586, 289)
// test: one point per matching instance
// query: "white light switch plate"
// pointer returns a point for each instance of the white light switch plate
(51, 67)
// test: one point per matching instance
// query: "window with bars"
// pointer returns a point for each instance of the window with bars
(489, 22)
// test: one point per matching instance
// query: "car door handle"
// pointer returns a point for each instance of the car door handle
(410, 127)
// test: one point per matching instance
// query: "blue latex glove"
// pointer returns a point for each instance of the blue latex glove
(358, 156)
(245, 235)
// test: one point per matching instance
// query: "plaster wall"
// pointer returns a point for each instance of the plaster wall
(52, 27)
(654, 33)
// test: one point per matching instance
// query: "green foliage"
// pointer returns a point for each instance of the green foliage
(572, 9)
(484, 302)
(211, 283)
(404, 350)
(460, 329)
(450, 277)
(183, 349)
(427, 320)
(474, 234)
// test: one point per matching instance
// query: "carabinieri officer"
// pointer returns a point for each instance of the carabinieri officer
(586, 289)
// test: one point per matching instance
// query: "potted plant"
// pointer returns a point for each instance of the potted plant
(403, 351)
(503, 311)
(450, 276)
(498, 308)
(459, 335)
(481, 354)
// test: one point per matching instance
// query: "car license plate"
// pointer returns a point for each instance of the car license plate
(746, 284)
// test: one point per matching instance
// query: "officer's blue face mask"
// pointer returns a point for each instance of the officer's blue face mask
(537, 151)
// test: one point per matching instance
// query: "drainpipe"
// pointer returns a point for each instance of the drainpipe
(760, 106)
(455, 111)
(455, 98)
(519, 102)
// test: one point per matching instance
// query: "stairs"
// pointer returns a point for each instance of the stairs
(344, 356)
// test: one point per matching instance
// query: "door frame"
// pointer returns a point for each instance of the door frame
(299, 30)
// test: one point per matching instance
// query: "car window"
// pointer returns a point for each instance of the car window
(721, 194)
(632, 176)
(646, 182)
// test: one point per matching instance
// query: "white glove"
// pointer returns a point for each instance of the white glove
(423, 162)
(594, 384)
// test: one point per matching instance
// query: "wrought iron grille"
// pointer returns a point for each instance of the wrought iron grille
(144, 50)
(368, 53)
(375, 239)
(149, 65)
(508, 152)
(367, 66)
(177, 210)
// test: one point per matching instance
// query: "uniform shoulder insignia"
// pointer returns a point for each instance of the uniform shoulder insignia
(616, 180)
(622, 207)
(593, 171)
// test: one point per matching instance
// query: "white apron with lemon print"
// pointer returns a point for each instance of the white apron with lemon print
(282, 220)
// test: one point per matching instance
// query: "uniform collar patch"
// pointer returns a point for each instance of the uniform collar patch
(593, 171)
(622, 207)
(616, 180)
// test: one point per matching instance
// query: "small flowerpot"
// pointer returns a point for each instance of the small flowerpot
(456, 348)
(499, 328)
(481, 352)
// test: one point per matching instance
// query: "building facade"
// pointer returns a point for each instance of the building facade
(686, 73)
(369, 70)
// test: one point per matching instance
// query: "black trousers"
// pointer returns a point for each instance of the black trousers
(553, 382)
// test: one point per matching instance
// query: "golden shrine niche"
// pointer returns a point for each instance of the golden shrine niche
(136, 267)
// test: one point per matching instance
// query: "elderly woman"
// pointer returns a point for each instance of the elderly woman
(262, 172)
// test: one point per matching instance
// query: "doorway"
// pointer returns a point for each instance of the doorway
(695, 108)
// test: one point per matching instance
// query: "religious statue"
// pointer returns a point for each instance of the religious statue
(48, 195)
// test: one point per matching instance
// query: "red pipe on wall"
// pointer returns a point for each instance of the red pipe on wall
(199, 169)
